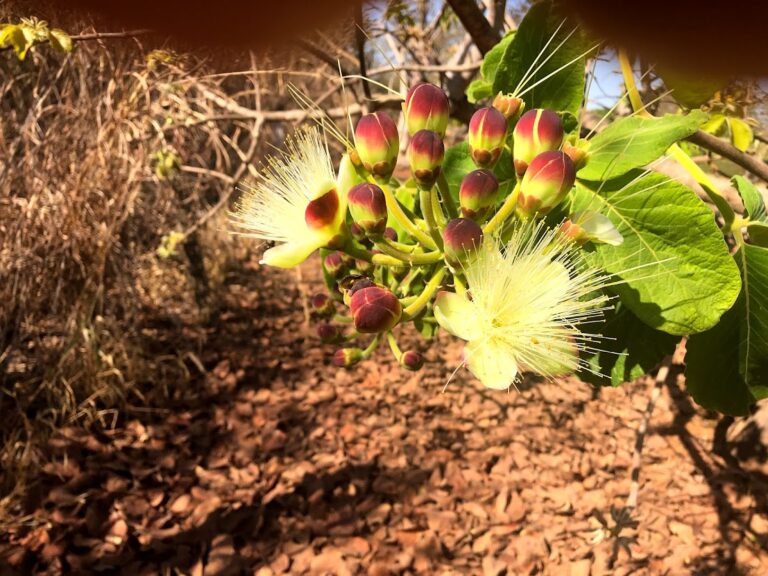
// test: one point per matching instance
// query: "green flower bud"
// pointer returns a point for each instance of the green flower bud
(377, 143)
(426, 108)
(425, 154)
(322, 305)
(368, 207)
(334, 264)
(578, 153)
(329, 333)
(538, 130)
(478, 193)
(347, 357)
(546, 183)
(411, 360)
(487, 131)
(462, 237)
(374, 309)
(510, 106)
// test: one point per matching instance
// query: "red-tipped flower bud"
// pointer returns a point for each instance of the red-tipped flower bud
(508, 105)
(347, 357)
(487, 131)
(538, 130)
(375, 309)
(357, 232)
(329, 333)
(546, 183)
(426, 108)
(390, 234)
(368, 207)
(377, 143)
(364, 267)
(412, 360)
(322, 305)
(334, 264)
(462, 238)
(478, 193)
(425, 154)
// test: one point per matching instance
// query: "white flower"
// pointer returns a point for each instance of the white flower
(296, 201)
(523, 307)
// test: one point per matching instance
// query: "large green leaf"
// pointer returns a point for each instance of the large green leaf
(629, 349)
(712, 368)
(561, 61)
(482, 87)
(458, 163)
(753, 330)
(677, 274)
(634, 141)
(727, 366)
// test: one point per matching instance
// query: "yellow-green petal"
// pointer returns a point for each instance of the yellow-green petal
(457, 315)
(292, 254)
(491, 362)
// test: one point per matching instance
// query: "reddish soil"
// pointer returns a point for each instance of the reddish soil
(272, 461)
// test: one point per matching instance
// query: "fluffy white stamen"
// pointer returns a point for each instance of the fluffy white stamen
(273, 207)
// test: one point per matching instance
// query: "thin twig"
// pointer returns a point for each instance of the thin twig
(726, 150)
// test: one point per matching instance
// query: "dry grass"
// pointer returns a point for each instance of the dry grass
(83, 211)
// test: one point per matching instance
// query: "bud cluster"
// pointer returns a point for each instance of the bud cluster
(404, 239)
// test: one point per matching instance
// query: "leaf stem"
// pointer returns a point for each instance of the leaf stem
(425, 200)
(445, 196)
(402, 218)
(429, 291)
(504, 212)
(419, 259)
(393, 346)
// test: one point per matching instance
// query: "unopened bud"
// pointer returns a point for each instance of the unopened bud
(425, 154)
(546, 183)
(577, 153)
(462, 237)
(377, 143)
(322, 305)
(412, 360)
(510, 106)
(363, 267)
(478, 193)
(426, 108)
(334, 264)
(487, 131)
(329, 333)
(368, 207)
(347, 357)
(538, 130)
(375, 309)
(390, 234)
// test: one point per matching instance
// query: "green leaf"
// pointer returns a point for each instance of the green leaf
(689, 91)
(479, 89)
(758, 233)
(60, 40)
(483, 87)
(677, 274)
(563, 89)
(753, 330)
(727, 366)
(714, 125)
(754, 203)
(741, 133)
(712, 368)
(458, 163)
(630, 348)
(636, 141)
